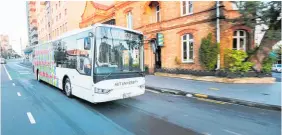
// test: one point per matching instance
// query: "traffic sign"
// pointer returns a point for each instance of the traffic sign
(160, 39)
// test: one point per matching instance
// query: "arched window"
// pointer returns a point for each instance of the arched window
(155, 7)
(187, 44)
(240, 40)
(129, 20)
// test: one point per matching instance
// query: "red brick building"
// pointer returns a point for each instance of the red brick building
(182, 24)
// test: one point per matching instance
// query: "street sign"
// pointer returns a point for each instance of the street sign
(160, 39)
(273, 55)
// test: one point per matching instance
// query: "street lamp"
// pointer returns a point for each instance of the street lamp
(153, 45)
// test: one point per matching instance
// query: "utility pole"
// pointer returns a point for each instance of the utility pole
(218, 32)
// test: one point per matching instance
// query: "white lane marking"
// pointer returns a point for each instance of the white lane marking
(231, 132)
(189, 95)
(153, 91)
(22, 66)
(216, 110)
(30, 117)
(7, 73)
(24, 73)
(14, 84)
(19, 94)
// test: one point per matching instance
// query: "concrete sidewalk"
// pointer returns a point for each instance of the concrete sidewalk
(258, 95)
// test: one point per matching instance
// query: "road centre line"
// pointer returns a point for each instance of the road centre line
(30, 117)
(213, 88)
(7, 73)
(231, 132)
(19, 94)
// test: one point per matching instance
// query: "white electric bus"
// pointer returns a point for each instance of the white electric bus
(99, 63)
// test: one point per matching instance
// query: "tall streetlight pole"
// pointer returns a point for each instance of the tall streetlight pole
(218, 32)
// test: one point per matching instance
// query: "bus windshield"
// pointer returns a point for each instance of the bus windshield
(118, 51)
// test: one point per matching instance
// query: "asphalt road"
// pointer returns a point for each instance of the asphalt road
(277, 75)
(34, 108)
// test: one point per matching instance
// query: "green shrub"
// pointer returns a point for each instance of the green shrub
(267, 64)
(234, 61)
(136, 65)
(146, 68)
(208, 53)
(177, 60)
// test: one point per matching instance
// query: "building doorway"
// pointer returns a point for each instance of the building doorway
(158, 58)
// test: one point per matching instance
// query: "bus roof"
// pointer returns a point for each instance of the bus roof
(118, 27)
(67, 34)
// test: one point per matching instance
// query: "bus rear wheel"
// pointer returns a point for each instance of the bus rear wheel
(37, 75)
(67, 87)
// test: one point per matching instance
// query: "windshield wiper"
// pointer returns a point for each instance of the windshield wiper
(105, 77)
(141, 72)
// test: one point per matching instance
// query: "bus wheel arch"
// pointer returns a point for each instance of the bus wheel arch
(67, 86)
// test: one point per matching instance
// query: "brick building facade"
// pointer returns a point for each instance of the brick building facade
(183, 25)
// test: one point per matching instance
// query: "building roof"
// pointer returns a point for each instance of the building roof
(101, 6)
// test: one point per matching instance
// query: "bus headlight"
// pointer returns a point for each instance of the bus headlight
(142, 86)
(102, 91)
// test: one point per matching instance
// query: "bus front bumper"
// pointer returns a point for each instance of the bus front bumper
(116, 94)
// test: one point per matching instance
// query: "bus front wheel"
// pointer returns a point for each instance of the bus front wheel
(67, 87)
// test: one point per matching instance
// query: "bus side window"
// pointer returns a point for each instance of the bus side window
(81, 64)
(87, 43)
(83, 57)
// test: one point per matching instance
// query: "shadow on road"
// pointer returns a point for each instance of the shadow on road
(132, 119)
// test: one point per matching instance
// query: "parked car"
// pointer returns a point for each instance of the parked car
(3, 61)
(276, 67)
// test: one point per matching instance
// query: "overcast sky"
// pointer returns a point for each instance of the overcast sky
(13, 22)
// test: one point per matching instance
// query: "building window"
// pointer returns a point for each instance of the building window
(56, 18)
(65, 11)
(239, 40)
(56, 6)
(158, 16)
(129, 20)
(63, 27)
(66, 26)
(187, 48)
(60, 16)
(59, 3)
(186, 8)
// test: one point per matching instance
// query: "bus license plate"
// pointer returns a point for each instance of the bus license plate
(126, 95)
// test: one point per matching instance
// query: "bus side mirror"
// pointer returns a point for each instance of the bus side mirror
(87, 43)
